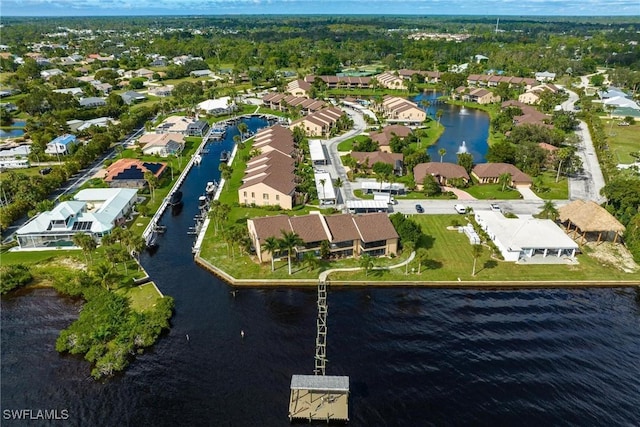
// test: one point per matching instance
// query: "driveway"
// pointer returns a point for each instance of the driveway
(527, 193)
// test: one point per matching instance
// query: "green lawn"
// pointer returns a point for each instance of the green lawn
(449, 258)
(347, 145)
(492, 192)
(143, 297)
(36, 257)
(556, 190)
(622, 140)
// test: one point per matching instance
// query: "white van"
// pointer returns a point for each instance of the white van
(384, 198)
(460, 208)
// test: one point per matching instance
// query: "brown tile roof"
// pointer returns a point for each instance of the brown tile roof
(374, 227)
(384, 136)
(309, 228)
(271, 226)
(445, 170)
(494, 170)
(342, 228)
(377, 156)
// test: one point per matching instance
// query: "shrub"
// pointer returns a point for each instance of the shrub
(14, 276)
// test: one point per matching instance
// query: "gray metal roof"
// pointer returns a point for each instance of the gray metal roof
(320, 382)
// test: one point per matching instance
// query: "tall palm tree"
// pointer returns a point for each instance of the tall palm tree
(152, 181)
(439, 116)
(322, 182)
(271, 245)
(242, 128)
(366, 263)
(476, 252)
(86, 243)
(288, 242)
(442, 153)
(549, 211)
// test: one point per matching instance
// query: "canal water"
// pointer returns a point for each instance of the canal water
(466, 130)
(416, 357)
(17, 130)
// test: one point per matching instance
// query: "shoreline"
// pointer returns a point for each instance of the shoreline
(481, 284)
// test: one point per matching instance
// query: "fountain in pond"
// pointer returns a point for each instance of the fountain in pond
(463, 111)
(462, 148)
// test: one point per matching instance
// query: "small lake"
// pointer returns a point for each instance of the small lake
(465, 130)
(13, 133)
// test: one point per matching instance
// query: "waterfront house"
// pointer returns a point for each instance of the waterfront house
(348, 235)
(384, 136)
(390, 80)
(61, 145)
(94, 211)
(520, 239)
(198, 128)
(129, 173)
(175, 124)
(400, 110)
(223, 105)
(162, 144)
(269, 180)
(442, 172)
(489, 173)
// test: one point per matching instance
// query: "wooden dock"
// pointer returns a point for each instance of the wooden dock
(319, 398)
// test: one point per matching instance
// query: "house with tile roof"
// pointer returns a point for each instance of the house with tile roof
(401, 110)
(442, 172)
(129, 173)
(383, 137)
(348, 235)
(94, 211)
(368, 159)
(320, 123)
(162, 144)
(269, 178)
(390, 80)
(299, 88)
(489, 173)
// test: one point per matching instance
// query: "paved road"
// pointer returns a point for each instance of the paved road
(431, 207)
(588, 184)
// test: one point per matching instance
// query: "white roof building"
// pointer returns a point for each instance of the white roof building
(216, 105)
(94, 211)
(324, 187)
(522, 238)
(317, 152)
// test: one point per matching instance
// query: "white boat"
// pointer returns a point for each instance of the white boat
(211, 187)
(197, 159)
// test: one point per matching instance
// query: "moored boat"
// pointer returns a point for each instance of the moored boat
(176, 198)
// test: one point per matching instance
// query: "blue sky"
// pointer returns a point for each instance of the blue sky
(234, 7)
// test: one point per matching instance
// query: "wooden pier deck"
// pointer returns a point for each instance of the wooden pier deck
(319, 398)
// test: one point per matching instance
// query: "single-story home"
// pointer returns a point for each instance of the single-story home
(162, 144)
(368, 159)
(217, 106)
(383, 137)
(92, 102)
(131, 97)
(129, 173)
(489, 173)
(442, 172)
(522, 238)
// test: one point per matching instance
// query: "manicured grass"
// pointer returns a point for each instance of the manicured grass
(557, 190)
(450, 258)
(347, 145)
(142, 298)
(492, 192)
(622, 140)
(36, 257)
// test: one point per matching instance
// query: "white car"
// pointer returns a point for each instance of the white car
(460, 209)
(495, 207)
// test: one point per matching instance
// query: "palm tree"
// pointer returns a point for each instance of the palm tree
(152, 181)
(288, 242)
(421, 257)
(442, 153)
(476, 252)
(103, 275)
(322, 182)
(366, 262)
(242, 128)
(504, 180)
(310, 260)
(86, 243)
(549, 211)
(271, 245)
(439, 116)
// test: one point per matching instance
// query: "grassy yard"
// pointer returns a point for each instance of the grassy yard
(143, 297)
(622, 140)
(492, 192)
(449, 258)
(347, 145)
(557, 190)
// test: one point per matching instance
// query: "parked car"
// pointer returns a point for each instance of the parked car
(495, 207)
(419, 208)
(460, 209)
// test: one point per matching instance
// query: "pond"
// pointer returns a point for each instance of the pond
(466, 130)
